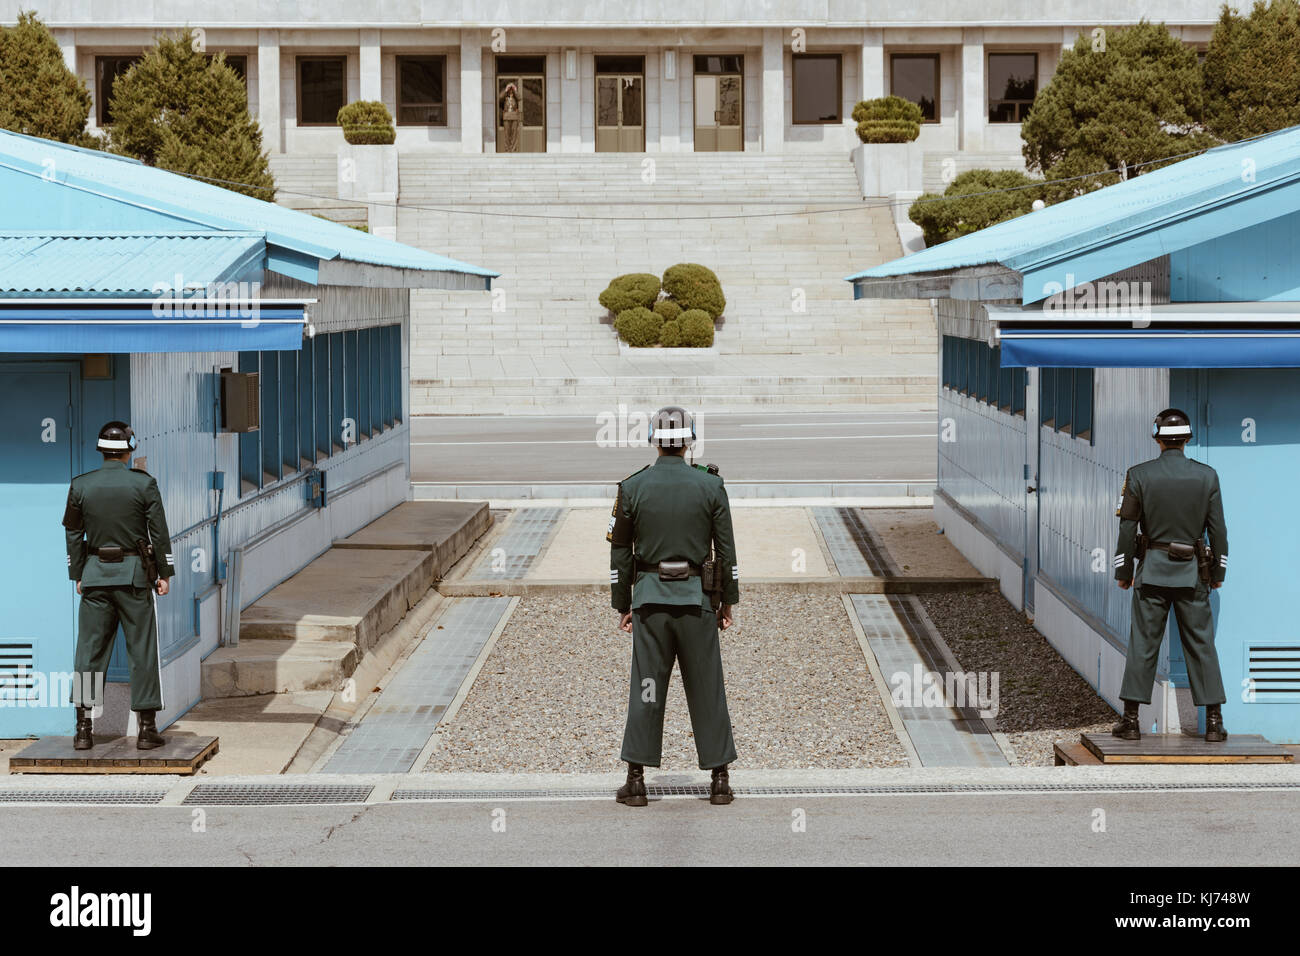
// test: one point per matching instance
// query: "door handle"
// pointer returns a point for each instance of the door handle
(1030, 489)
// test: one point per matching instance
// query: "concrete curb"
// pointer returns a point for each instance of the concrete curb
(831, 585)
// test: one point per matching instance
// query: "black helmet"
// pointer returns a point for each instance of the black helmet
(672, 427)
(1172, 425)
(116, 438)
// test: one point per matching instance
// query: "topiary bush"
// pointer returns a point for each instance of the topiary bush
(668, 309)
(697, 328)
(670, 336)
(639, 326)
(889, 119)
(974, 200)
(695, 287)
(637, 289)
(367, 122)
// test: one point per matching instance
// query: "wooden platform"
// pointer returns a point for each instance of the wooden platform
(1170, 749)
(183, 754)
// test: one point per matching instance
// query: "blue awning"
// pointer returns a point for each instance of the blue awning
(1149, 348)
(195, 325)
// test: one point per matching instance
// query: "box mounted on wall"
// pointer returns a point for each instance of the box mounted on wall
(239, 401)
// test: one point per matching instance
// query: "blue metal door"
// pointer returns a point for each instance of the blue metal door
(1253, 441)
(39, 450)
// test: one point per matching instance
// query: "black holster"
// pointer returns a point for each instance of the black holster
(145, 550)
(711, 579)
(1204, 558)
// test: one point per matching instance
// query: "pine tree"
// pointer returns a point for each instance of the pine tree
(1122, 100)
(39, 95)
(1252, 71)
(178, 109)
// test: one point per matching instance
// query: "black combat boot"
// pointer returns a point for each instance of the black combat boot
(85, 738)
(148, 738)
(1214, 732)
(632, 793)
(720, 789)
(1128, 728)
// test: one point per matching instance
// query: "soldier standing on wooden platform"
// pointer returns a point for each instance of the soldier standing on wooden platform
(673, 600)
(119, 553)
(1176, 501)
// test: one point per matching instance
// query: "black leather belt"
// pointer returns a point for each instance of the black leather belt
(653, 566)
(115, 553)
(1164, 546)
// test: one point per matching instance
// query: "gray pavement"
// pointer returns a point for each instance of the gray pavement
(776, 446)
(1141, 828)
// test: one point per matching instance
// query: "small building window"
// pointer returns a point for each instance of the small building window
(422, 90)
(1013, 84)
(815, 85)
(237, 62)
(338, 390)
(321, 89)
(1065, 398)
(915, 77)
(107, 70)
(1047, 397)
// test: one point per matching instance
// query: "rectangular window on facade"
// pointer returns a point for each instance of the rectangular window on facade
(1047, 396)
(815, 84)
(1018, 391)
(915, 77)
(322, 89)
(422, 90)
(237, 62)
(107, 70)
(1013, 84)
(250, 448)
(1064, 399)
(1083, 388)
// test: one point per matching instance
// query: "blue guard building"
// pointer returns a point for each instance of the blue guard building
(261, 356)
(1063, 333)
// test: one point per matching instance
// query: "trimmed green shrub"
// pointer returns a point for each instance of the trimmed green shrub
(973, 200)
(889, 119)
(670, 336)
(637, 289)
(695, 287)
(639, 326)
(697, 328)
(42, 97)
(367, 122)
(668, 309)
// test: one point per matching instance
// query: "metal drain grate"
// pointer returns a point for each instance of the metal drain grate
(831, 791)
(264, 795)
(108, 797)
(519, 545)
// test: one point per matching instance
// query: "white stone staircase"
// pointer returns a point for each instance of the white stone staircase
(781, 232)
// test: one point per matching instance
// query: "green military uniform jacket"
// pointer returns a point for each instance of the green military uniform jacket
(1174, 498)
(670, 511)
(115, 505)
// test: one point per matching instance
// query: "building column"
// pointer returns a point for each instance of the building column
(471, 91)
(371, 76)
(670, 124)
(974, 105)
(773, 91)
(268, 90)
(570, 100)
(871, 75)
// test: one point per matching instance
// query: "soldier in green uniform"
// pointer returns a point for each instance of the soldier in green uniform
(1176, 501)
(665, 519)
(119, 553)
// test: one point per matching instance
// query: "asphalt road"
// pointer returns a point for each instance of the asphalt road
(777, 446)
(1141, 828)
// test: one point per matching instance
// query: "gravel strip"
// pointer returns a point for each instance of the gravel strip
(1042, 698)
(552, 697)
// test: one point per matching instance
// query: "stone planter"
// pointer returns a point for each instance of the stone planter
(887, 168)
(368, 173)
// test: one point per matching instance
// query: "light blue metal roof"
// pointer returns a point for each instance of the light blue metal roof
(1167, 196)
(205, 205)
(126, 264)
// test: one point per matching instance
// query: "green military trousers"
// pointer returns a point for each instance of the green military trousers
(689, 634)
(102, 609)
(1191, 607)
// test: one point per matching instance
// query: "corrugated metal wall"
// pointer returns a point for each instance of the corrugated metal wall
(1079, 489)
(1079, 482)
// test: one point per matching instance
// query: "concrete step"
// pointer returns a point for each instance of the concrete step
(277, 667)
